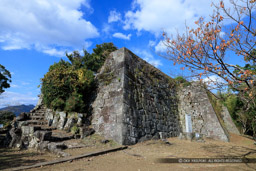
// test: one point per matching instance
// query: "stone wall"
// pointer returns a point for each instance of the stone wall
(108, 105)
(194, 100)
(135, 101)
(150, 102)
(229, 124)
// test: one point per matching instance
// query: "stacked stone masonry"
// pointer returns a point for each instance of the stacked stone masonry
(229, 124)
(135, 101)
(108, 106)
(194, 100)
(150, 102)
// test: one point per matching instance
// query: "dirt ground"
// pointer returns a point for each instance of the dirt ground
(140, 157)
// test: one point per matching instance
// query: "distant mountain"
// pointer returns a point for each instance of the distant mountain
(18, 109)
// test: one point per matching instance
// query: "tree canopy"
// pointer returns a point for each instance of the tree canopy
(208, 49)
(97, 58)
(70, 85)
(5, 78)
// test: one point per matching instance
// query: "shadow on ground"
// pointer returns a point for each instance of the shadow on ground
(229, 151)
(10, 158)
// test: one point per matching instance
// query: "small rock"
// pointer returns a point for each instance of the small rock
(162, 135)
(34, 142)
(43, 135)
(145, 138)
(189, 136)
(43, 145)
(76, 136)
(166, 142)
(56, 148)
(105, 141)
(63, 154)
(85, 131)
(156, 136)
(201, 140)
(181, 136)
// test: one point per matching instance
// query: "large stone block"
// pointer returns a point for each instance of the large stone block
(62, 120)
(27, 130)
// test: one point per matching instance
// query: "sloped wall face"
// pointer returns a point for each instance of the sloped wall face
(108, 105)
(231, 127)
(150, 102)
(194, 101)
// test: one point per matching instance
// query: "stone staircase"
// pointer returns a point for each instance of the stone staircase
(37, 119)
(37, 122)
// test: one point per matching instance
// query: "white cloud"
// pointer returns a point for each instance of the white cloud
(213, 81)
(122, 36)
(114, 16)
(148, 57)
(213, 78)
(11, 98)
(14, 86)
(107, 28)
(161, 47)
(55, 52)
(151, 43)
(45, 24)
(156, 16)
(222, 34)
(25, 83)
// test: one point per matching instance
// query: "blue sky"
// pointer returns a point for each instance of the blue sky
(36, 33)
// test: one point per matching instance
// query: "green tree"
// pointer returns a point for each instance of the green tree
(205, 50)
(5, 78)
(97, 58)
(63, 81)
(6, 117)
(70, 85)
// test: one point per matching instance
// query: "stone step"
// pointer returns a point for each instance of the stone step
(43, 127)
(36, 117)
(37, 122)
(48, 128)
(39, 111)
(59, 135)
(37, 114)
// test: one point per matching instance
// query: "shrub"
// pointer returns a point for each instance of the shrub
(99, 55)
(74, 129)
(182, 81)
(58, 104)
(74, 103)
(70, 85)
(6, 117)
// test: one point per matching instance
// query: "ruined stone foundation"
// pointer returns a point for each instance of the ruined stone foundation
(136, 102)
